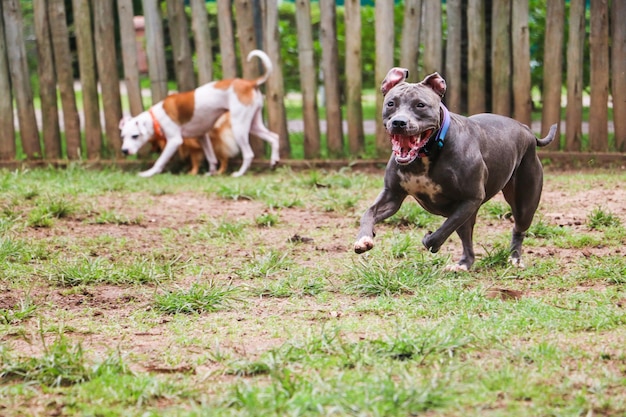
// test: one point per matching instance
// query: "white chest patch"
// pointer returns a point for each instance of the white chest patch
(419, 184)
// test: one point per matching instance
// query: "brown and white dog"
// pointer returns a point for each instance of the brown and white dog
(222, 140)
(194, 113)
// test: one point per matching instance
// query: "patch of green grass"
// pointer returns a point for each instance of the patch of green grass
(199, 298)
(294, 285)
(111, 217)
(390, 277)
(223, 228)
(542, 230)
(610, 269)
(578, 241)
(88, 271)
(267, 219)
(265, 264)
(600, 219)
(496, 257)
(412, 215)
(496, 210)
(45, 212)
(23, 310)
(62, 364)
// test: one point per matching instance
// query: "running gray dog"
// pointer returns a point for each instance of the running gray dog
(453, 164)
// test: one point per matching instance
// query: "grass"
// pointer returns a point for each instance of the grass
(198, 296)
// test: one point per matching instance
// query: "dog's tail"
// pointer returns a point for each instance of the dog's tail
(549, 138)
(267, 63)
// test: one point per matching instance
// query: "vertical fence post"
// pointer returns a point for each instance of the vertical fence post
(246, 34)
(129, 55)
(47, 82)
(432, 59)
(384, 62)
(7, 139)
(275, 97)
(575, 43)
(181, 48)
(202, 40)
(155, 47)
(106, 59)
(618, 73)
(452, 72)
(599, 74)
(330, 70)
(89, 85)
(553, 68)
(227, 40)
(65, 77)
(476, 57)
(501, 57)
(20, 79)
(354, 77)
(522, 104)
(308, 83)
(410, 42)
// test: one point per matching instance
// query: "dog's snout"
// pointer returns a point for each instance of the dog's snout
(125, 151)
(399, 122)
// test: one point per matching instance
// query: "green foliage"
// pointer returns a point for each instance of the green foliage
(62, 363)
(198, 298)
(600, 219)
(88, 271)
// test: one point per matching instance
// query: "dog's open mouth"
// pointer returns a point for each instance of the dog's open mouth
(406, 147)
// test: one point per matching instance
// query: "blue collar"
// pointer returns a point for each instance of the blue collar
(444, 128)
(439, 136)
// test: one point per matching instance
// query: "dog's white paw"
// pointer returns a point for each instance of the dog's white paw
(236, 174)
(517, 262)
(456, 268)
(364, 244)
(148, 173)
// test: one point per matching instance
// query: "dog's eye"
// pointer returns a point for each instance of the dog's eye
(390, 103)
(420, 105)
(134, 136)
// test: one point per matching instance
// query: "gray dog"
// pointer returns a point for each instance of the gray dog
(452, 164)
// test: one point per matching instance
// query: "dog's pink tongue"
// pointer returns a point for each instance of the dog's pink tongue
(402, 145)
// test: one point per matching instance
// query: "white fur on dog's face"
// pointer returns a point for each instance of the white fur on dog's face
(134, 135)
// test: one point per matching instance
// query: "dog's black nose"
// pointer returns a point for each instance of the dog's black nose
(399, 123)
(125, 151)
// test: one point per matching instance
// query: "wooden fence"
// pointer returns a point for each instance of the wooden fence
(483, 52)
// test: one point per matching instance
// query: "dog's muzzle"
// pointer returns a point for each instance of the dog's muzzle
(405, 144)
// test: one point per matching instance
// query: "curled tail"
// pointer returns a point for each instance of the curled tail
(549, 138)
(267, 63)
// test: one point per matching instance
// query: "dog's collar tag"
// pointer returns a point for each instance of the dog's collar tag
(444, 127)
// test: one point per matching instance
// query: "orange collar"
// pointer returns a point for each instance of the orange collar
(158, 132)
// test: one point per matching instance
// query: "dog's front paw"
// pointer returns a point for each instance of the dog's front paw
(148, 173)
(430, 244)
(517, 262)
(364, 244)
(456, 268)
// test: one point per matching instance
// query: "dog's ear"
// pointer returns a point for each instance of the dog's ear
(123, 121)
(394, 76)
(436, 82)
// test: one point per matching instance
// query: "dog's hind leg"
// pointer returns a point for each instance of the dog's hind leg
(240, 126)
(209, 153)
(523, 193)
(257, 128)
